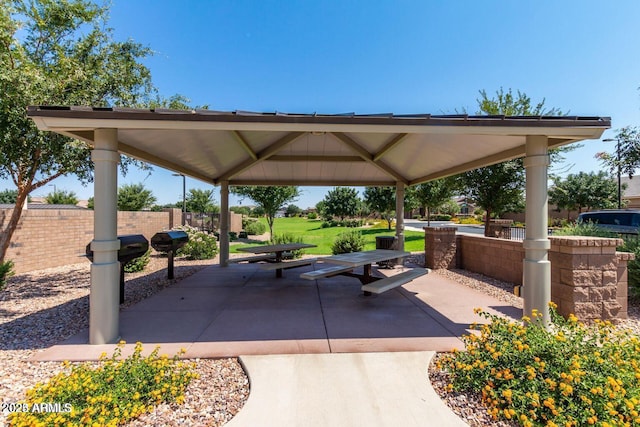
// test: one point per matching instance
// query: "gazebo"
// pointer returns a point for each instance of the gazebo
(246, 148)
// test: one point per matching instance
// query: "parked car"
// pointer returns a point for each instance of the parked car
(625, 221)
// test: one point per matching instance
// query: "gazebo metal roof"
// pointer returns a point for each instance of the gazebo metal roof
(247, 148)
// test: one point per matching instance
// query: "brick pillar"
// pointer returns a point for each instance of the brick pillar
(440, 247)
(623, 281)
(584, 277)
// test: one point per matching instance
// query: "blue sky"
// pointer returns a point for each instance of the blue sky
(378, 57)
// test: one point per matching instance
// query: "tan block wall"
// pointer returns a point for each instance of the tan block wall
(493, 257)
(51, 238)
(588, 276)
(440, 247)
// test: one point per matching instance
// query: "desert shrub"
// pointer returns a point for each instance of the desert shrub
(113, 393)
(255, 228)
(280, 239)
(201, 245)
(6, 271)
(138, 264)
(469, 220)
(312, 215)
(348, 241)
(565, 375)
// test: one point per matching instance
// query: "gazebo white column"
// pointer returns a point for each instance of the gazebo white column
(224, 223)
(400, 215)
(104, 302)
(536, 289)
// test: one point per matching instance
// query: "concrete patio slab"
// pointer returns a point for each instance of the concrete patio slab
(242, 310)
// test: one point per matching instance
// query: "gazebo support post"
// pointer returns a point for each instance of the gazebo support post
(224, 224)
(536, 268)
(400, 215)
(104, 303)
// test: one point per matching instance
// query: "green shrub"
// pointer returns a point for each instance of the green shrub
(114, 393)
(201, 245)
(632, 244)
(255, 228)
(583, 229)
(312, 215)
(348, 241)
(284, 238)
(330, 223)
(6, 271)
(138, 264)
(440, 217)
(233, 236)
(565, 375)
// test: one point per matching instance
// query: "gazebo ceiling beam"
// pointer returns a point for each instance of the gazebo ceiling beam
(312, 183)
(243, 142)
(392, 143)
(365, 155)
(261, 156)
(502, 156)
(316, 158)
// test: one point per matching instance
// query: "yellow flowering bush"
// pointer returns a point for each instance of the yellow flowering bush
(566, 375)
(111, 394)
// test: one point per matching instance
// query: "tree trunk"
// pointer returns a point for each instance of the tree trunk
(270, 220)
(428, 217)
(487, 221)
(7, 232)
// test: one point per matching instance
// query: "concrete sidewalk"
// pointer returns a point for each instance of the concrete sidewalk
(349, 390)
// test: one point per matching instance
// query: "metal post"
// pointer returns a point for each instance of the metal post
(619, 183)
(224, 224)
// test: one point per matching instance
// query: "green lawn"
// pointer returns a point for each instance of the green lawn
(313, 233)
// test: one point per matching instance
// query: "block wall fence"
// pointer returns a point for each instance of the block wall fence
(588, 276)
(55, 237)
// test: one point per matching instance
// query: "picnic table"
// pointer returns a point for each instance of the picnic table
(346, 263)
(277, 263)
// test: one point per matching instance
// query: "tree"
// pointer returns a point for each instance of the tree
(433, 194)
(293, 210)
(341, 202)
(62, 197)
(269, 198)
(500, 187)
(57, 53)
(584, 190)
(8, 196)
(495, 188)
(201, 201)
(134, 197)
(626, 158)
(381, 200)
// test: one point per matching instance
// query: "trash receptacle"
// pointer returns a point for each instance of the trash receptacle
(386, 242)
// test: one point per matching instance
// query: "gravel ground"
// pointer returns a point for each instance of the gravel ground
(41, 308)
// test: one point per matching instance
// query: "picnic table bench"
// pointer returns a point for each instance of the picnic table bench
(344, 264)
(277, 252)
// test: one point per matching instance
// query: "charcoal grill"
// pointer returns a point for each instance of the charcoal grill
(169, 242)
(132, 246)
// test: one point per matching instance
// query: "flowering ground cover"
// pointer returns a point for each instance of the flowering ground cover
(567, 374)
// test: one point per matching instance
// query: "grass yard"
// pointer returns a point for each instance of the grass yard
(312, 232)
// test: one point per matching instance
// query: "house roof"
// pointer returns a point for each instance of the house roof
(247, 148)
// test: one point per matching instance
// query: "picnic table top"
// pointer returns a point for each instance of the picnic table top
(356, 259)
(276, 248)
